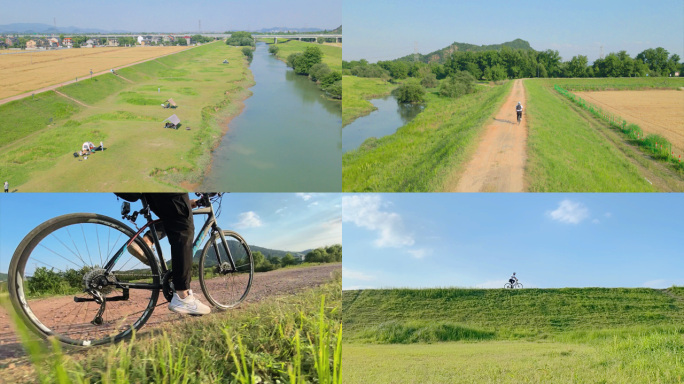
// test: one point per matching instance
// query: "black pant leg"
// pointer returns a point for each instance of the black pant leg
(175, 211)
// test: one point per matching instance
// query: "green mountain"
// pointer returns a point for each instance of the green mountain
(506, 314)
(237, 252)
(440, 55)
(3, 277)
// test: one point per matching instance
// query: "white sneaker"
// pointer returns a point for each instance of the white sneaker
(188, 306)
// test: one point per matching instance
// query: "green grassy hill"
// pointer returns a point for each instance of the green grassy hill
(506, 314)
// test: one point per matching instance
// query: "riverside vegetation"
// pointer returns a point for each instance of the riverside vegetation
(509, 336)
(41, 133)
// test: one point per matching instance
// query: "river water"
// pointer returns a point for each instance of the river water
(384, 121)
(288, 137)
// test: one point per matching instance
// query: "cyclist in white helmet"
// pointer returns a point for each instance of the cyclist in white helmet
(518, 111)
(513, 280)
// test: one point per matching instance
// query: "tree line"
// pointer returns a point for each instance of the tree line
(508, 63)
(310, 63)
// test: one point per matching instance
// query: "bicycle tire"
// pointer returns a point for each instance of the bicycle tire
(508, 286)
(229, 288)
(518, 286)
(51, 313)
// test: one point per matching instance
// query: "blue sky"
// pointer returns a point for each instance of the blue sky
(382, 30)
(283, 221)
(479, 240)
(175, 15)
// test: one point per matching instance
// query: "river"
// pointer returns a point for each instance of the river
(288, 137)
(384, 121)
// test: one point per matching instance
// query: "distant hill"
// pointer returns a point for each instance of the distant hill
(288, 29)
(440, 55)
(236, 251)
(3, 277)
(25, 28)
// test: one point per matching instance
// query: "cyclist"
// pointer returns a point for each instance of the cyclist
(518, 111)
(513, 280)
(175, 210)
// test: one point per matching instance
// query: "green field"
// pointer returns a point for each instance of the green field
(140, 155)
(357, 92)
(424, 154)
(332, 55)
(578, 335)
(569, 150)
(280, 339)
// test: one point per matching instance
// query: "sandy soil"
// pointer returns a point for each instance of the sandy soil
(268, 284)
(40, 71)
(655, 111)
(499, 161)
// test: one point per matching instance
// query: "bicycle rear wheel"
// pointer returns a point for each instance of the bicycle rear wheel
(223, 286)
(57, 283)
(508, 286)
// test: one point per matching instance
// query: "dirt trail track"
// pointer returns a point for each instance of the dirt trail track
(71, 98)
(267, 284)
(499, 161)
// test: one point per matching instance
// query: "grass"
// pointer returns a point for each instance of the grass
(93, 90)
(357, 91)
(293, 339)
(567, 153)
(141, 155)
(331, 55)
(569, 335)
(621, 83)
(421, 155)
(27, 116)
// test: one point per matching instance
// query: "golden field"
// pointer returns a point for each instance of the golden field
(31, 70)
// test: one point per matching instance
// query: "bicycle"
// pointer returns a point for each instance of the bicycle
(519, 113)
(94, 304)
(517, 285)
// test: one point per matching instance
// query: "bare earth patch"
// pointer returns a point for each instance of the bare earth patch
(659, 112)
(499, 161)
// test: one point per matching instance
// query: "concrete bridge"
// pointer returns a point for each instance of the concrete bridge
(299, 36)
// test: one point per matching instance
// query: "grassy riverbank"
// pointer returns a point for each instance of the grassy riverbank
(357, 92)
(125, 113)
(332, 55)
(421, 155)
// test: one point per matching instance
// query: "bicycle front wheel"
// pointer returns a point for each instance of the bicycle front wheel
(222, 285)
(518, 286)
(59, 287)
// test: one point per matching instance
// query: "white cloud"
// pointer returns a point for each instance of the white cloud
(570, 212)
(280, 210)
(662, 283)
(365, 212)
(595, 221)
(315, 203)
(607, 215)
(357, 287)
(305, 196)
(356, 275)
(419, 253)
(248, 220)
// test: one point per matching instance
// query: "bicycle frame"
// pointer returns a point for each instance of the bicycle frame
(209, 226)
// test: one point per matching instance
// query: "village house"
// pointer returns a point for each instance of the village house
(10, 41)
(32, 44)
(67, 42)
(90, 43)
(113, 42)
(188, 39)
(53, 42)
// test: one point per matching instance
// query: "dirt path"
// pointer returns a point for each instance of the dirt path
(265, 285)
(499, 161)
(71, 98)
(55, 86)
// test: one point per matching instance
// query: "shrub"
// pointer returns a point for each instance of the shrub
(458, 85)
(273, 49)
(318, 71)
(335, 90)
(240, 39)
(247, 51)
(429, 80)
(409, 93)
(370, 70)
(330, 79)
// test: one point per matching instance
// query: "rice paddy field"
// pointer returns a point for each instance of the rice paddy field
(31, 70)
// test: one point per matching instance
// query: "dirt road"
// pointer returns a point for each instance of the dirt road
(499, 161)
(267, 284)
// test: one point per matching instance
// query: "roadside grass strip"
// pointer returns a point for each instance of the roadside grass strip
(656, 145)
(357, 91)
(288, 339)
(567, 154)
(422, 154)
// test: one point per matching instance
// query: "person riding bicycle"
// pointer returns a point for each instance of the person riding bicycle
(513, 280)
(175, 210)
(518, 111)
